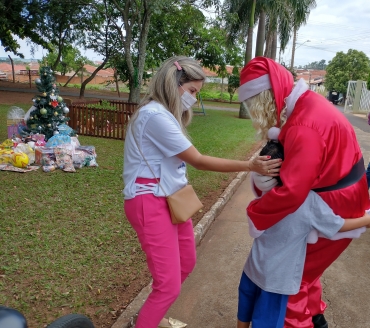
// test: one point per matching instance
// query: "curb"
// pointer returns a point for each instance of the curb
(128, 316)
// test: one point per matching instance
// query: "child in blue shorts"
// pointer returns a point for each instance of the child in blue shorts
(274, 267)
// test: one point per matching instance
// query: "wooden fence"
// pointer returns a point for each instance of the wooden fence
(100, 122)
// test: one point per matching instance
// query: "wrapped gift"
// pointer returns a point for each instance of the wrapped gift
(44, 156)
(14, 117)
(40, 140)
(25, 148)
(6, 156)
(58, 139)
(63, 155)
(84, 156)
(12, 129)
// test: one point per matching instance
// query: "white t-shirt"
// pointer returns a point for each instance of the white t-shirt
(276, 260)
(161, 138)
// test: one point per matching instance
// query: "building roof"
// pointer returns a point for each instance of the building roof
(311, 76)
(210, 73)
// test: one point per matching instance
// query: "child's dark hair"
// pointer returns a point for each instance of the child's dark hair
(274, 149)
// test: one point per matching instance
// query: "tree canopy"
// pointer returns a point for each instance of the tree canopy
(351, 66)
(21, 18)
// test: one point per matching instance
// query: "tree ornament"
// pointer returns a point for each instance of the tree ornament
(44, 94)
(43, 111)
(55, 132)
(60, 99)
(65, 110)
(54, 103)
(55, 113)
(38, 99)
(49, 125)
(38, 81)
(31, 117)
(45, 73)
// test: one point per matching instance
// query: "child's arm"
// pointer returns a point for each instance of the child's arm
(351, 224)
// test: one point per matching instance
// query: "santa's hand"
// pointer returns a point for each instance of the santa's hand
(263, 182)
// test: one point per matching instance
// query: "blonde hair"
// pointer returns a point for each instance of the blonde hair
(163, 87)
(262, 110)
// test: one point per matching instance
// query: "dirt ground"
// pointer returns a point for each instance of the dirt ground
(124, 296)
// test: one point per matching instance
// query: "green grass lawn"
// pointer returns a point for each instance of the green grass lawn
(65, 242)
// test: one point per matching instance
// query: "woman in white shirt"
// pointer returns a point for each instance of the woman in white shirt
(156, 150)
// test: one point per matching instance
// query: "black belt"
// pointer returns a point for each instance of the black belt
(357, 172)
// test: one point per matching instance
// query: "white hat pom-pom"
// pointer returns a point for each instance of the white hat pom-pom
(273, 133)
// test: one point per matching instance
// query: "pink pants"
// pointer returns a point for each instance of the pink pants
(169, 249)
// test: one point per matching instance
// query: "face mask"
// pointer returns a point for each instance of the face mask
(187, 100)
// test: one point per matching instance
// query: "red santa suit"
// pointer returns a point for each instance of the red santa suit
(320, 149)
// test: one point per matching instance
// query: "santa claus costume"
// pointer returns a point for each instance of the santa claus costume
(321, 154)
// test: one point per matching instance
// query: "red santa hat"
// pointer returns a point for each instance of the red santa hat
(261, 74)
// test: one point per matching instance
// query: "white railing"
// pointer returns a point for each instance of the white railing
(357, 98)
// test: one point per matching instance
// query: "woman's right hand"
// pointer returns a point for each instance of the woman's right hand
(265, 166)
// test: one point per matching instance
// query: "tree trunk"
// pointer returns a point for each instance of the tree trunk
(268, 45)
(222, 87)
(261, 34)
(84, 83)
(249, 46)
(72, 77)
(134, 96)
(136, 71)
(116, 81)
(274, 45)
(293, 48)
(11, 61)
(243, 112)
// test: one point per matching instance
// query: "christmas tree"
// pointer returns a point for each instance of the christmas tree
(48, 110)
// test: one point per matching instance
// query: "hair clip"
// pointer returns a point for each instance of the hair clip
(177, 66)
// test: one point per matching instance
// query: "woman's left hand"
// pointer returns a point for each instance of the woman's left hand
(265, 166)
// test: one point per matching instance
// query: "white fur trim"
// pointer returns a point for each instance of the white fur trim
(254, 87)
(273, 133)
(299, 89)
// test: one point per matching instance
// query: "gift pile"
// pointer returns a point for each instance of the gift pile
(61, 151)
(16, 156)
(65, 153)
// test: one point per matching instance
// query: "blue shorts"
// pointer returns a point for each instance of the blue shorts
(263, 309)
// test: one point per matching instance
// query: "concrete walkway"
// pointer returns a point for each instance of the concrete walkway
(209, 296)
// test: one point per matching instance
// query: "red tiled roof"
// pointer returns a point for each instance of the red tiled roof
(211, 73)
(313, 74)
